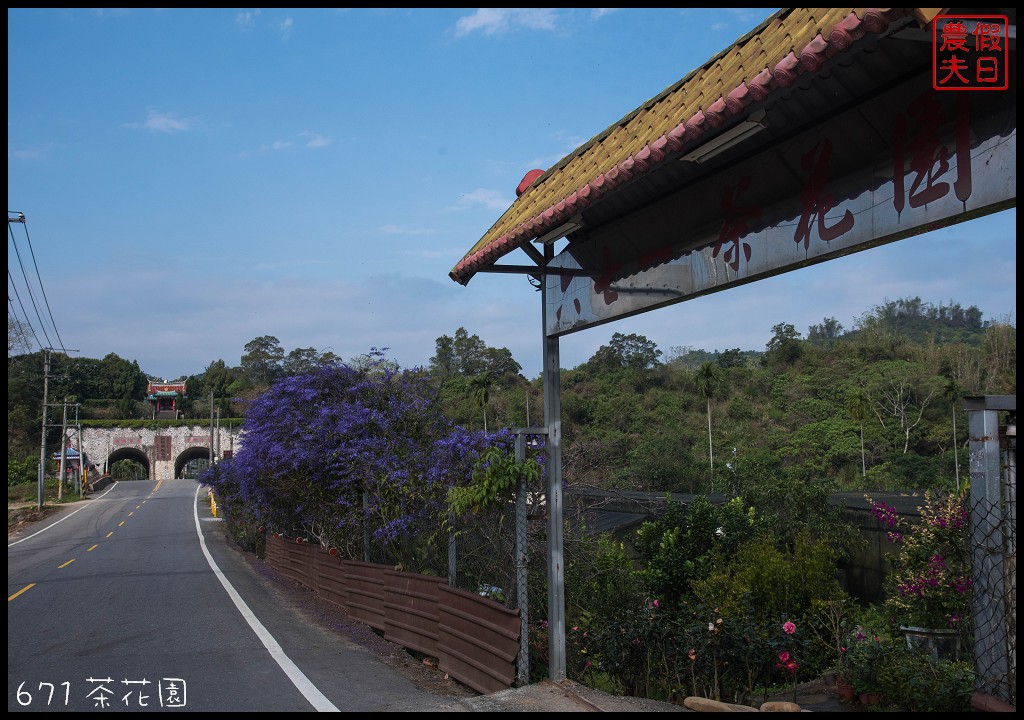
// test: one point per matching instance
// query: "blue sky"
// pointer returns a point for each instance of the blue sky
(193, 179)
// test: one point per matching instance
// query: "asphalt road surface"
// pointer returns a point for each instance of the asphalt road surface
(133, 601)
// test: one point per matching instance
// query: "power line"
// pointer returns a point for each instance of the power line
(41, 288)
(28, 285)
(21, 324)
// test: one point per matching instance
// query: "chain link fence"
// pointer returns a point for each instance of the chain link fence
(993, 514)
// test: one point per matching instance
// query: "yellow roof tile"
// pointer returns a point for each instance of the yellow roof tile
(744, 72)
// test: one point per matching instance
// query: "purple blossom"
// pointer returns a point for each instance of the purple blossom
(341, 450)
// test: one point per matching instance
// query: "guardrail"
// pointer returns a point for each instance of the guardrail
(475, 639)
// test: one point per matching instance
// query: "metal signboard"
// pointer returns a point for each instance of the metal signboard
(906, 162)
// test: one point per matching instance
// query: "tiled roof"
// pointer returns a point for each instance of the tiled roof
(772, 56)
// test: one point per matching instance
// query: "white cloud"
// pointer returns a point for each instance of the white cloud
(277, 145)
(488, 198)
(246, 19)
(404, 230)
(492, 21)
(598, 13)
(162, 122)
(31, 153)
(316, 140)
(285, 28)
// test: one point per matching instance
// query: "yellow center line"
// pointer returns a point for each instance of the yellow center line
(138, 506)
(11, 597)
(110, 533)
(61, 567)
(131, 513)
(92, 548)
(158, 482)
(121, 523)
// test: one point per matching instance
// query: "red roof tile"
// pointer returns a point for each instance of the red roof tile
(772, 56)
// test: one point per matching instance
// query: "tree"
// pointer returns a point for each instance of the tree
(303, 360)
(708, 380)
(121, 379)
(442, 364)
(901, 392)
(827, 332)
(631, 351)
(785, 345)
(858, 405)
(262, 360)
(500, 363)
(481, 385)
(19, 341)
(952, 392)
(340, 452)
(469, 353)
(731, 358)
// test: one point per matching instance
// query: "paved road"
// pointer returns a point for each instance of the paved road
(133, 601)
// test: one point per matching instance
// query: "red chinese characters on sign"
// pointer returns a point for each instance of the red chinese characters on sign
(970, 52)
(928, 158)
(815, 202)
(735, 225)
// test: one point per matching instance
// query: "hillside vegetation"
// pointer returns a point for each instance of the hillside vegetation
(872, 407)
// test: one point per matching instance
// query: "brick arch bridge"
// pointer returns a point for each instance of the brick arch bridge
(163, 452)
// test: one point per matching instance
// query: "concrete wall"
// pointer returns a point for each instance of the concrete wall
(99, 444)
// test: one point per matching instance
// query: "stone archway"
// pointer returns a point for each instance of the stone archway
(129, 453)
(187, 456)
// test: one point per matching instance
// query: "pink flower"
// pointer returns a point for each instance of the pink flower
(784, 656)
(789, 627)
(655, 604)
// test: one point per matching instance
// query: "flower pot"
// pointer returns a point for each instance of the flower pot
(940, 643)
(845, 690)
(869, 698)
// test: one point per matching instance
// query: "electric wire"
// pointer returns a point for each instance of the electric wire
(21, 323)
(43, 290)
(28, 286)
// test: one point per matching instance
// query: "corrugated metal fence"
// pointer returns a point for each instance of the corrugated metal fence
(475, 639)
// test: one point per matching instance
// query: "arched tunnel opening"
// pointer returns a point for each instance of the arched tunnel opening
(191, 462)
(128, 464)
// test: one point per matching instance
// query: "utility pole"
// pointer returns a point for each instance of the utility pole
(42, 450)
(63, 451)
(81, 477)
(211, 428)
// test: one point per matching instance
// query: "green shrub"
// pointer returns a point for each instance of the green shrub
(21, 472)
(916, 682)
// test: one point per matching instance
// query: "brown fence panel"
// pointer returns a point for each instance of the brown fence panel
(364, 592)
(410, 610)
(478, 641)
(273, 552)
(330, 576)
(298, 562)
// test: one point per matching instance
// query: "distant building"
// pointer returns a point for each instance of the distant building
(164, 398)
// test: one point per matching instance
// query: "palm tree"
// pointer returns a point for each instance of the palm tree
(952, 392)
(708, 379)
(858, 405)
(481, 385)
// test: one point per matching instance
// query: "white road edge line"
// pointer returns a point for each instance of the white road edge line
(59, 521)
(299, 680)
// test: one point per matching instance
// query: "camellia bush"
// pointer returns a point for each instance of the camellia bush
(358, 459)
